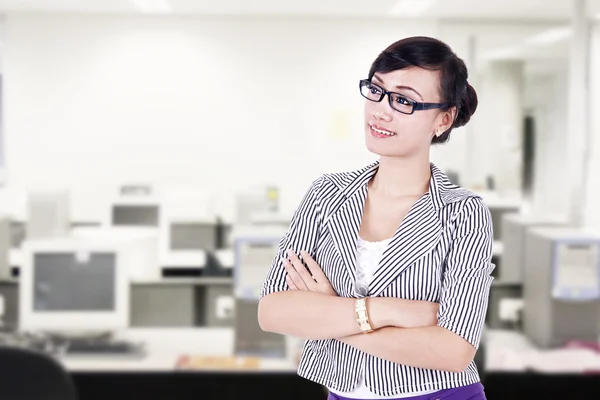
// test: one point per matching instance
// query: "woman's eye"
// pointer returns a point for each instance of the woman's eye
(375, 90)
(402, 100)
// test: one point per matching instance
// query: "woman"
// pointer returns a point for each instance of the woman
(386, 270)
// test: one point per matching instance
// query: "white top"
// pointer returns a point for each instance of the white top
(367, 259)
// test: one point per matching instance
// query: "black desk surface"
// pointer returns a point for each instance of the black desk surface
(255, 386)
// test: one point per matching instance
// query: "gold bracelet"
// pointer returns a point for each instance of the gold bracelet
(362, 315)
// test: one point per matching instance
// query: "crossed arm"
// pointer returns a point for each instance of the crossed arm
(406, 331)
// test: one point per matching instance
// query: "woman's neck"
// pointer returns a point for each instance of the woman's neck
(397, 177)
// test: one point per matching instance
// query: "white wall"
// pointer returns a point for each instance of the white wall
(592, 212)
(94, 101)
(540, 96)
(477, 43)
(498, 139)
(2, 44)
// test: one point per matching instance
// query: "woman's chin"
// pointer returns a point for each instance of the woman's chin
(381, 149)
(385, 149)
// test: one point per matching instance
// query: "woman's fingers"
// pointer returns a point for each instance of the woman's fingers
(301, 269)
(314, 268)
(294, 276)
(291, 283)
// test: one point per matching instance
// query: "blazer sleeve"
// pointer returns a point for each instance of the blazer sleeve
(467, 276)
(302, 234)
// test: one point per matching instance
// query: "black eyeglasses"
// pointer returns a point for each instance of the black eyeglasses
(398, 102)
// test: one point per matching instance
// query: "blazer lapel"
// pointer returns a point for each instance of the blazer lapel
(418, 234)
(344, 222)
(344, 226)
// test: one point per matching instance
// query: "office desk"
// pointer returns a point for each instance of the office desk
(155, 377)
(515, 370)
(510, 351)
(165, 346)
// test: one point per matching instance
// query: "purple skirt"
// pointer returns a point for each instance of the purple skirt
(469, 392)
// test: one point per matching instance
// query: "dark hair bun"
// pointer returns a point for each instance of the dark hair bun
(467, 107)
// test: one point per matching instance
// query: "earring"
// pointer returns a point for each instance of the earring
(438, 133)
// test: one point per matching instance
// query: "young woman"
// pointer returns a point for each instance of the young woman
(386, 270)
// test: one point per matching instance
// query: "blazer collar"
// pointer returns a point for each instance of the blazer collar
(441, 190)
(418, 234)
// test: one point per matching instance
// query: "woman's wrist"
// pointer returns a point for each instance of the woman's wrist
(380, 310)
(401, 313)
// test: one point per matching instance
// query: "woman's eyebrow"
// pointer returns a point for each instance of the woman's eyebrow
(402, 87)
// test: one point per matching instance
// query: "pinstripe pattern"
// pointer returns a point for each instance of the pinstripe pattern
(441, 252)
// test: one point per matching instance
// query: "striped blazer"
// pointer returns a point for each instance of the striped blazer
(441, 252)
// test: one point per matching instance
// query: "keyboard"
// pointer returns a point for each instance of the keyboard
(102, 348)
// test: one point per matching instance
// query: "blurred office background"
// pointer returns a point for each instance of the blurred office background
(153, 151)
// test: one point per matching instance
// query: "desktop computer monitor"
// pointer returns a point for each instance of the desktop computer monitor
(561, 285)
(187, 241)
(135, 215)
(189, 229)
(134, 211)
(192, 235)
(255, 249)
(74, 285)
(514, 242)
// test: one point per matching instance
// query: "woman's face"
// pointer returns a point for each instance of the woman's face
(404, 135)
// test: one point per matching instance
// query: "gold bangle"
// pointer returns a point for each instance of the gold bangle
(362, 315)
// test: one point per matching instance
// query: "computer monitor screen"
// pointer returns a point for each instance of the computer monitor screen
(63, 283)
(193, 236)
(253, 258)
(135, 215)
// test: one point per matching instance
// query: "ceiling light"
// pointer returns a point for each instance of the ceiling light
(411, 8)
(153, 6)
(550, 36)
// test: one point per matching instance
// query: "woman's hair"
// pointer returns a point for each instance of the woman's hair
(433, 54)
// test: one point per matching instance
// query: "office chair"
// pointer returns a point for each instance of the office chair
(30, 375)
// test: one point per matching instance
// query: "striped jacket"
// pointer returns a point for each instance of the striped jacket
(441, 253)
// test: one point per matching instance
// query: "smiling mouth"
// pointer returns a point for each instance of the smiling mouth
(382, 133)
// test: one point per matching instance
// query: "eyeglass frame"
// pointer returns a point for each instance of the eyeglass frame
(417, 106)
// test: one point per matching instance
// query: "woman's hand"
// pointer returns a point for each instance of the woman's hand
(299, 278)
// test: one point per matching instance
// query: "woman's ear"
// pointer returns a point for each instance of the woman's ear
(446, 119)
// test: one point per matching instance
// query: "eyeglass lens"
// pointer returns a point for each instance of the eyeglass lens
(376, 93)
